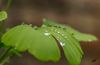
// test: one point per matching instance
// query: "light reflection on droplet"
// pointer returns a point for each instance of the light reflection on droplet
(62, 44)
(47, 34)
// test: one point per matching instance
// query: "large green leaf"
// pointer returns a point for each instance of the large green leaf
(42, 45)
(78, 35)
(70, 45)
(41, 42)
(3, 15)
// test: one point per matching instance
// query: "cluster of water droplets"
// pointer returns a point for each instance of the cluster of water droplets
(62, 43)
(47, 33)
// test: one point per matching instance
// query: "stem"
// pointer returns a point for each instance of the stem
(4, 61)
(8, 5)
(2, 23)
(5, 56)
(4, 53)
(8, 52)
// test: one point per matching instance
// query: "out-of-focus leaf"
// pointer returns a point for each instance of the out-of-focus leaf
(50, 22)
(42, 45)
(70, 45)
(3, 15)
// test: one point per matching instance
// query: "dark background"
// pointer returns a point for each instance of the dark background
(83, 15)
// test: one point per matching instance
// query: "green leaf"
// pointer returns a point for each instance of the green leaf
(78, 35)
(36, 42)
(3, 15)
(41, 43)
(70, 45)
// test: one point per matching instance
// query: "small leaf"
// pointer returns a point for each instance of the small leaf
(85, 37)
(80, 36)
(36, 42)
(3, 15)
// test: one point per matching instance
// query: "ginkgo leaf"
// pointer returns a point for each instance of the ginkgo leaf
(78, 35)
(37, 43)
(71, 46)
(3, 15)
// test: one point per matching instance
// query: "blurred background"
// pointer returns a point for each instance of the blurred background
(83, 15)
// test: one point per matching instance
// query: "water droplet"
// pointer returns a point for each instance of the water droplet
(47, 34)
(62, 44)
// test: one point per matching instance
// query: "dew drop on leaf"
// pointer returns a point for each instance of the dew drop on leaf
(62, 44)
(47, 34)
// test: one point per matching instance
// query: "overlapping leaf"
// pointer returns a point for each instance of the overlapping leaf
(70, 45)
(78, 35)
(41, 42)
(3, 15)
(42, 45)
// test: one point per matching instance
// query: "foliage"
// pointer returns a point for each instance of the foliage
(3, 15)
(41, 42)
